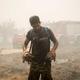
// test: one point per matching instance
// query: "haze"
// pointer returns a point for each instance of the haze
(48, 10)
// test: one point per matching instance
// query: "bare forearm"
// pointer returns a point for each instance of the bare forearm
(55, 46)
(24, 47)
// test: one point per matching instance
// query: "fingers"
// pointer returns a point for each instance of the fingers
(25, 51)
(24, 55)
(53, 55)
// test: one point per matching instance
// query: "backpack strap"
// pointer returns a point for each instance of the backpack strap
(47, 32)
(30, 34)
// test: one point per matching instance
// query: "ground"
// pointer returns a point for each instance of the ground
(66, 66)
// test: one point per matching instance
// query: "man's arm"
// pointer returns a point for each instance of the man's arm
(52, 53)
(25, 44)
(24, 47)
(54, 40)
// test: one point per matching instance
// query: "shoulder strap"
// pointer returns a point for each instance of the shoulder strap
(30, 34)
(47, 32)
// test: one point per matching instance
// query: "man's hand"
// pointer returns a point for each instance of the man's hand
(24, 55)
(27, 56)
(25, 52)
(52, 55)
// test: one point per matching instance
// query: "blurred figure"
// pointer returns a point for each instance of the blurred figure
(40, 39)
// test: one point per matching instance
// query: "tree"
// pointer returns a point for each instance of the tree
(7, 29)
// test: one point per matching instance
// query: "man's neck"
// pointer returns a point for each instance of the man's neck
(38, 31)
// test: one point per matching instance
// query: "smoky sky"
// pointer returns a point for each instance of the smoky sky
(47, 10)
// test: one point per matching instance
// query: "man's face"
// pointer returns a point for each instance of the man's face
(36, 27)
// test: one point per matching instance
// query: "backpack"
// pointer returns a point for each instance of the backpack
(46, 31)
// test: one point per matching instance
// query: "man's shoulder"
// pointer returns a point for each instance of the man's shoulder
(30, 30)
(47, 29)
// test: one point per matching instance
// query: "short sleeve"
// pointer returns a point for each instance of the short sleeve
(29, 34)
(52, 36)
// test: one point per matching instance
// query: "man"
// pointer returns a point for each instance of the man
(40, 64)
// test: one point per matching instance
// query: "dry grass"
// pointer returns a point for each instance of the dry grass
(66, 67)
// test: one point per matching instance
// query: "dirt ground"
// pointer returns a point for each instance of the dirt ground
(66, 66)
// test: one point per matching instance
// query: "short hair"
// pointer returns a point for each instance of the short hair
(34, 20)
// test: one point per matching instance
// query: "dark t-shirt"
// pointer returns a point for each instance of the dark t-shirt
(41, 43)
